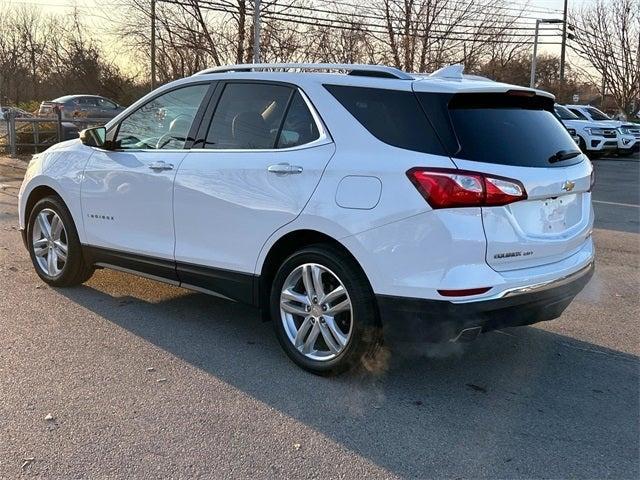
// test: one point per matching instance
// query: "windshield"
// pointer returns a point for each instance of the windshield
(564, 113)
(597, 114)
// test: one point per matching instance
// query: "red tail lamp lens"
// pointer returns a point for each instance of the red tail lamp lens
(450, 188)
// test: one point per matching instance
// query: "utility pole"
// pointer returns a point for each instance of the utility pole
(153, 44)
(563, 48)
(256, 31)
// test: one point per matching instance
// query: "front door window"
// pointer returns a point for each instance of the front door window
(162, 123)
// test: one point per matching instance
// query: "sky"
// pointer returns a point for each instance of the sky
(553, 7)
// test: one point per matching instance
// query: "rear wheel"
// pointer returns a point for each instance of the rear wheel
(54, 245)
(323, 310)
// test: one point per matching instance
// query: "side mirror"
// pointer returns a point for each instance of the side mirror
(94, 137)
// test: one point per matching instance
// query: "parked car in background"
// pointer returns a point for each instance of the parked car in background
(594, 138)
(81, 106)
(628, 138)
(18, 112)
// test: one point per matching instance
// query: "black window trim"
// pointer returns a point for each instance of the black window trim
(113, 130)
(324, 136)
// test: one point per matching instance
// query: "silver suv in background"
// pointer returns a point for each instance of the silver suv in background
(628, 134)
(594, 138)
(81, 106)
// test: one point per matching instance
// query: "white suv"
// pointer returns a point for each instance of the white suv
(348, 207)
(627, 133)
(594, 138)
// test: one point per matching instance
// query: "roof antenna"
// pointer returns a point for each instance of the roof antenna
(450, 71)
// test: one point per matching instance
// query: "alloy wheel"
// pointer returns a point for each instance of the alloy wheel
(49, 242)
(316, 312)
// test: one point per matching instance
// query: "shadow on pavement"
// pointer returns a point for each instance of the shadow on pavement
(519, 403)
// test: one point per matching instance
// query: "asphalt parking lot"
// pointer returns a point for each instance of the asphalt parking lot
(127, 378)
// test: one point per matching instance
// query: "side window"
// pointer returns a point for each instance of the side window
(392, 116)
(162, 123)
(248, 116)
(579, 114)
(299, 127)
(104, 103)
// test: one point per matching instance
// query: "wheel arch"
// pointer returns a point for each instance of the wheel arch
(37, 194)
(282, 248)
(41, 186)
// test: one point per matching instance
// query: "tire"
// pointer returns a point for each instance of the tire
(354, 330)
(66, 272)
(583, 146)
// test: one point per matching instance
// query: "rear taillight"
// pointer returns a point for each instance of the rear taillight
(450, 188)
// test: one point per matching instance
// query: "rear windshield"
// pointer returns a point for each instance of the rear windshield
(502, 128)
(392, 116)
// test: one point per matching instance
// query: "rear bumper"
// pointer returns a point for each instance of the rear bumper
(414, 319)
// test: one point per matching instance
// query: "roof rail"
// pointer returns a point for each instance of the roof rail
(353, 68)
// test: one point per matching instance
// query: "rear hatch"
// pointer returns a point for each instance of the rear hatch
(515, 135)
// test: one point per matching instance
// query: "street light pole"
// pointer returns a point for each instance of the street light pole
(563, 48)
(532, 82)
(153, 44)
(256, 31)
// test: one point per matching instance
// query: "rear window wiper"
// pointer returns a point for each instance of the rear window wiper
(563, 155)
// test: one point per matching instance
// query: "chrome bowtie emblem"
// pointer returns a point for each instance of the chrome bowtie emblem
(568, 185)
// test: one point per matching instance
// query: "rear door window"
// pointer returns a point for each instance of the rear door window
(248, 116)
(392, 116)
(299, 126)
(506, 129)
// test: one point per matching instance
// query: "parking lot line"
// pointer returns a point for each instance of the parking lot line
(616, 203)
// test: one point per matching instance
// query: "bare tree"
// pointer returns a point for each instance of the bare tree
(608, 37)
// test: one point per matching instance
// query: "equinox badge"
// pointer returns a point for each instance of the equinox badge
(568, 185)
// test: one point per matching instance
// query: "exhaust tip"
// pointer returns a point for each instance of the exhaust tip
(467, 335)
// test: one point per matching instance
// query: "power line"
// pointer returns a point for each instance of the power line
(497, 7)
(396, 18)
(331, 22)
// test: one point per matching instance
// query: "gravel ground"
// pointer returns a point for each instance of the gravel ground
(127, 378)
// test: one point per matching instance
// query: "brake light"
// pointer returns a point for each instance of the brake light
(451, 188)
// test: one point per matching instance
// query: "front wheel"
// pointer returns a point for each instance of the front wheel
(323, 310)
(54, 245)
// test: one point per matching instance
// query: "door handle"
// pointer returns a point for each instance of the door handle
(284, 169)
(160, 165)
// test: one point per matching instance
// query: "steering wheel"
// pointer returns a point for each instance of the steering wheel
(166, 138)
